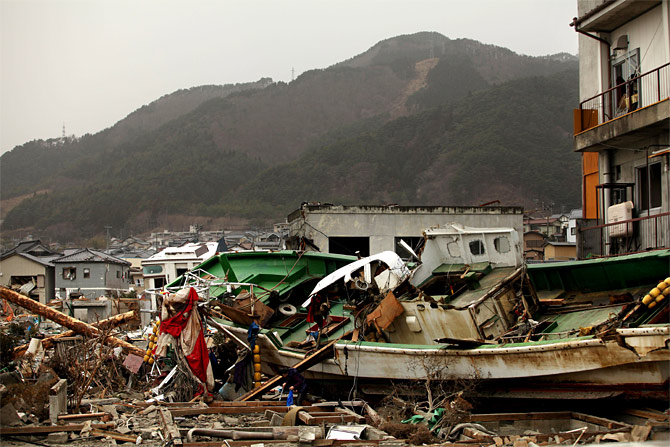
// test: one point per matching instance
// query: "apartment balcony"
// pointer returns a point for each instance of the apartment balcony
(622, 237)
(625, 115)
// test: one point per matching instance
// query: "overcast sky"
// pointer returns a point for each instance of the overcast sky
(87, 63)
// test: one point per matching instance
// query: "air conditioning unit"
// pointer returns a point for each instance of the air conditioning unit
(619, 213)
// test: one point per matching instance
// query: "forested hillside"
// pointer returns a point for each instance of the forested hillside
(417, 119)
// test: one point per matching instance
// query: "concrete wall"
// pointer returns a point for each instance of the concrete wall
(383, 224)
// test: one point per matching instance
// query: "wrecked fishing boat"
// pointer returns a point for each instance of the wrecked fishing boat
(470, 310)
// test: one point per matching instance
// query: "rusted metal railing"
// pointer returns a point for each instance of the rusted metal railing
(635, 93)
(624, 237)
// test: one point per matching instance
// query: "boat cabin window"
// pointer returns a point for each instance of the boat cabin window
(477, 247)
(453, 248)
(501, 244)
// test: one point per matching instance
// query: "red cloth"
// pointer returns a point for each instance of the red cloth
(198, 358)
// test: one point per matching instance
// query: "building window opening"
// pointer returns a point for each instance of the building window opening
(349, 246)
(69, 273)
(118, 274)
(87, 273)
(649, 186)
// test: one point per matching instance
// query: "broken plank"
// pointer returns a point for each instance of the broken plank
(320, 418)
(357, 417)
(170, 429)
(647, 414)
(177, 412)
(46, 429)
(595, 420)
(114, 435)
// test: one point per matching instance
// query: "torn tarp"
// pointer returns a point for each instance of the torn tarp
(180, 321)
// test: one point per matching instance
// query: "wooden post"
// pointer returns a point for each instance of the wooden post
(64, 320)
(114, 321)
(57, 400)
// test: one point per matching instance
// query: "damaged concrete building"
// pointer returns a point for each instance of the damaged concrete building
(372, 229)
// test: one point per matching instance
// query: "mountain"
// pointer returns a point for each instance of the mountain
(418, 118)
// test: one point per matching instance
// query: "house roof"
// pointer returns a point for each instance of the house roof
(45, 261)
(89, 255)
(34, 248)
(561, 244)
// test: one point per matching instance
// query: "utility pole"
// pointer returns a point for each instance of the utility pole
(108, 227)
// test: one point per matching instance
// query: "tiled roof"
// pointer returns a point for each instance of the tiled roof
(89, 255)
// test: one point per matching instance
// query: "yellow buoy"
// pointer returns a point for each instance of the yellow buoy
(661, 286)
(151, 361)
(660, 298)
(647, 299)
(651, 305)
(667, 280)
(146, 358)
(148, 351)
(257, 349)
(257, 367)
(654, 292)
(257, 377)
(257, 358)
(151, 345)
(666, 292)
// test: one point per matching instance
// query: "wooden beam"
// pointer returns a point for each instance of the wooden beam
(177, 412)
(65, 320)
(519, 416)
(114, 321)
(74, 417)
(46, 429)
(647, 414)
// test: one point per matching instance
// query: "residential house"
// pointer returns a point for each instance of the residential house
(366, 230)
(622, 125)
(571, 232)
(172, 262)
(533, 245)
(560, 251)
(28, 268)
(550, 226)
(91, 273)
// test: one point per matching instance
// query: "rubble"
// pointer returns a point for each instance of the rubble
(88, 387)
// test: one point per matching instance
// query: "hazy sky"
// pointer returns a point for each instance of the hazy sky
(88, 63)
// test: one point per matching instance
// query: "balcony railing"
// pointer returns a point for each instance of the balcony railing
(638, 92)
(623, 237)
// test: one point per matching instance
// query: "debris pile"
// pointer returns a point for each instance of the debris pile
(115, 382)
